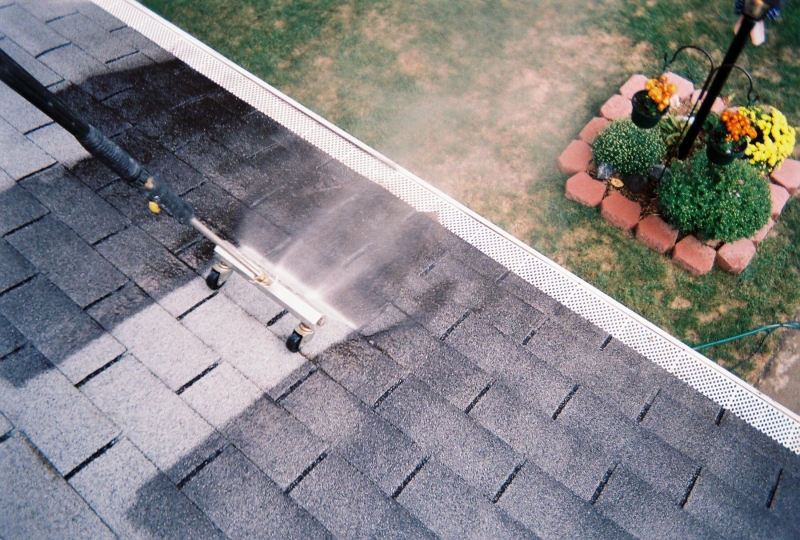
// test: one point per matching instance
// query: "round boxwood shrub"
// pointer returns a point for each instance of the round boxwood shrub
(718, 203)
(629, 149)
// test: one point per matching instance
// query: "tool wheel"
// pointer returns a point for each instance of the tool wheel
(212, 280)
(293, 342)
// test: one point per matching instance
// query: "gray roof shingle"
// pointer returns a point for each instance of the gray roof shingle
(36, 502)
(14, 268)
(29, 32)
(244, 503)
(62, 194)
(20, 156)
(445, 397)
(58, 328)
(38, 400)
(154, 418)
(137, 500)
(64, 258)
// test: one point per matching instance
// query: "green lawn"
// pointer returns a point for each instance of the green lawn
(480, 96)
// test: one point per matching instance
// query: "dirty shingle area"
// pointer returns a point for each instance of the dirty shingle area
(460, 402)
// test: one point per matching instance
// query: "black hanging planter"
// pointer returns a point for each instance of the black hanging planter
(640, 115)
(719, 156)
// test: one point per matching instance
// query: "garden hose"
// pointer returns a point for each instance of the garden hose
(769, 327)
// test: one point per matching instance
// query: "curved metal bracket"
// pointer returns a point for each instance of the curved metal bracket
(751, 96)
(667, 63)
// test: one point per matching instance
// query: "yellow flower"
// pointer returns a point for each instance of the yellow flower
(779, 137)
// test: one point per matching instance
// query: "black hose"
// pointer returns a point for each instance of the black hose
(28, 87)
(93, 140)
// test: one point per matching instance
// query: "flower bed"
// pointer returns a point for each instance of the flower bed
(639, 212)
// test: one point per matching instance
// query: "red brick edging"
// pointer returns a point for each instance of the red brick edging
(690, 254)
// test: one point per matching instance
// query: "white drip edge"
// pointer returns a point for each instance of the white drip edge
(699, 372)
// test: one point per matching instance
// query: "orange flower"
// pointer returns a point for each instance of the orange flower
(660, 91)
(737, 126)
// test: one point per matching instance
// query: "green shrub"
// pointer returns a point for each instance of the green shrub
(719, 203)
(629, 149)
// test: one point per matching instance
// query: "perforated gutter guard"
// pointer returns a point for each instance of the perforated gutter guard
(702, 374)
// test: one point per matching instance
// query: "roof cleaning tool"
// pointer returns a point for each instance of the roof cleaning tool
(161, 197)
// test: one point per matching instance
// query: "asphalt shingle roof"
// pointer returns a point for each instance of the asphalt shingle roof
(136, 402)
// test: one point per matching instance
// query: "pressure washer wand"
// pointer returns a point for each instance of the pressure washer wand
(160, 195)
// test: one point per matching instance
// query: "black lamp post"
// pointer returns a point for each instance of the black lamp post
(753, 11)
